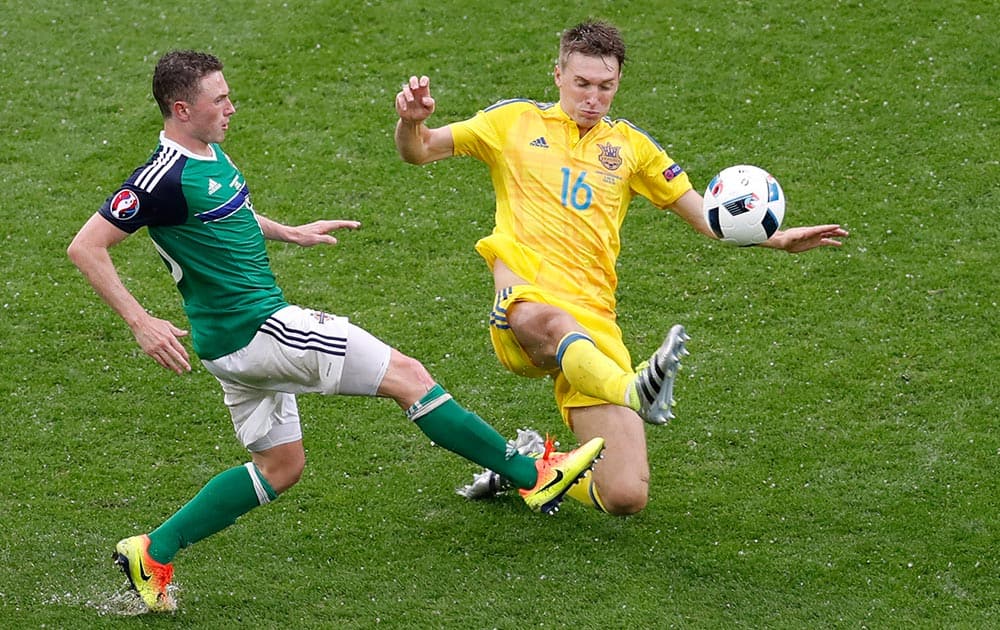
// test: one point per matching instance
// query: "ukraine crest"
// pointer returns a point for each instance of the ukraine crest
(609, 156)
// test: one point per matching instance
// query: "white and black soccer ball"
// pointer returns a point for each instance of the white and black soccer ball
(744, 205)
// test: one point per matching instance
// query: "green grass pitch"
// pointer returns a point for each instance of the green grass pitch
(834, 458)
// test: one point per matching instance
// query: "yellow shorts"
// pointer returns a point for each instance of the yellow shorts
(603, 330)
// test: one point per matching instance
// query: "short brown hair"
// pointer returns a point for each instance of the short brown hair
(593, 38)
(178, 74)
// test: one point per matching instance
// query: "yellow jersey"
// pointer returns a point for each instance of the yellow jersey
(561, 199)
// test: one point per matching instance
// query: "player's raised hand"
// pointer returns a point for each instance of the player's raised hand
(416, 142)
(414, 103)
(159, 339)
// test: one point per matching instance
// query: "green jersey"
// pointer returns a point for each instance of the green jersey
(198, 213)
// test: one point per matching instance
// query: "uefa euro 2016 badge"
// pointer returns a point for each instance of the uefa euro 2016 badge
(124, 205)
(609, 156)
(672, 171)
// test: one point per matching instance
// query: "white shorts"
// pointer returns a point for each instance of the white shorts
(296, 351)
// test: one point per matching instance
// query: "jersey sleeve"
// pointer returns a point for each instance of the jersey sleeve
(657, 177)
(474, 137)
(133, 207)
(484, 135)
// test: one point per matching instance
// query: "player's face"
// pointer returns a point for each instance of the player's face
(587, 85)
(209, 113)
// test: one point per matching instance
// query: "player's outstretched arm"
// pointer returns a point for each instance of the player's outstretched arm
(792, 240)
(157, 337)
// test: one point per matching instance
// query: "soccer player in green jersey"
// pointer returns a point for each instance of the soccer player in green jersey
(564, 174)
(197, 208)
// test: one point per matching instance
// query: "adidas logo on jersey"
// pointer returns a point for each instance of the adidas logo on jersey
(213, 186)
(540, 142)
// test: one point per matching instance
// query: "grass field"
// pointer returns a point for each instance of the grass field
(835, 455)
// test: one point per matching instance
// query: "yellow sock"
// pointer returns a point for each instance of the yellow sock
(585, 492)
(592, 372)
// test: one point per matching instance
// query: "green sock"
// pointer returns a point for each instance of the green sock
(460, 431)
(227, 496)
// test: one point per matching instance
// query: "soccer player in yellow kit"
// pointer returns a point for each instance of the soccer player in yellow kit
(564, 175)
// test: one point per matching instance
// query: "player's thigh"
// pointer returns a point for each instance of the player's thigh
(302, 351)
(366, 363)
(261, 418)
(625, 464)
(539, 328)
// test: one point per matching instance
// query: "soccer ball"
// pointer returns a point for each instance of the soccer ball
(744, 205)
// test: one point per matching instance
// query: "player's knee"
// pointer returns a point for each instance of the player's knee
(625, 499)
(414, 371)
(406, 380)
(294, 472)
(556, 324)
(284, 473)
